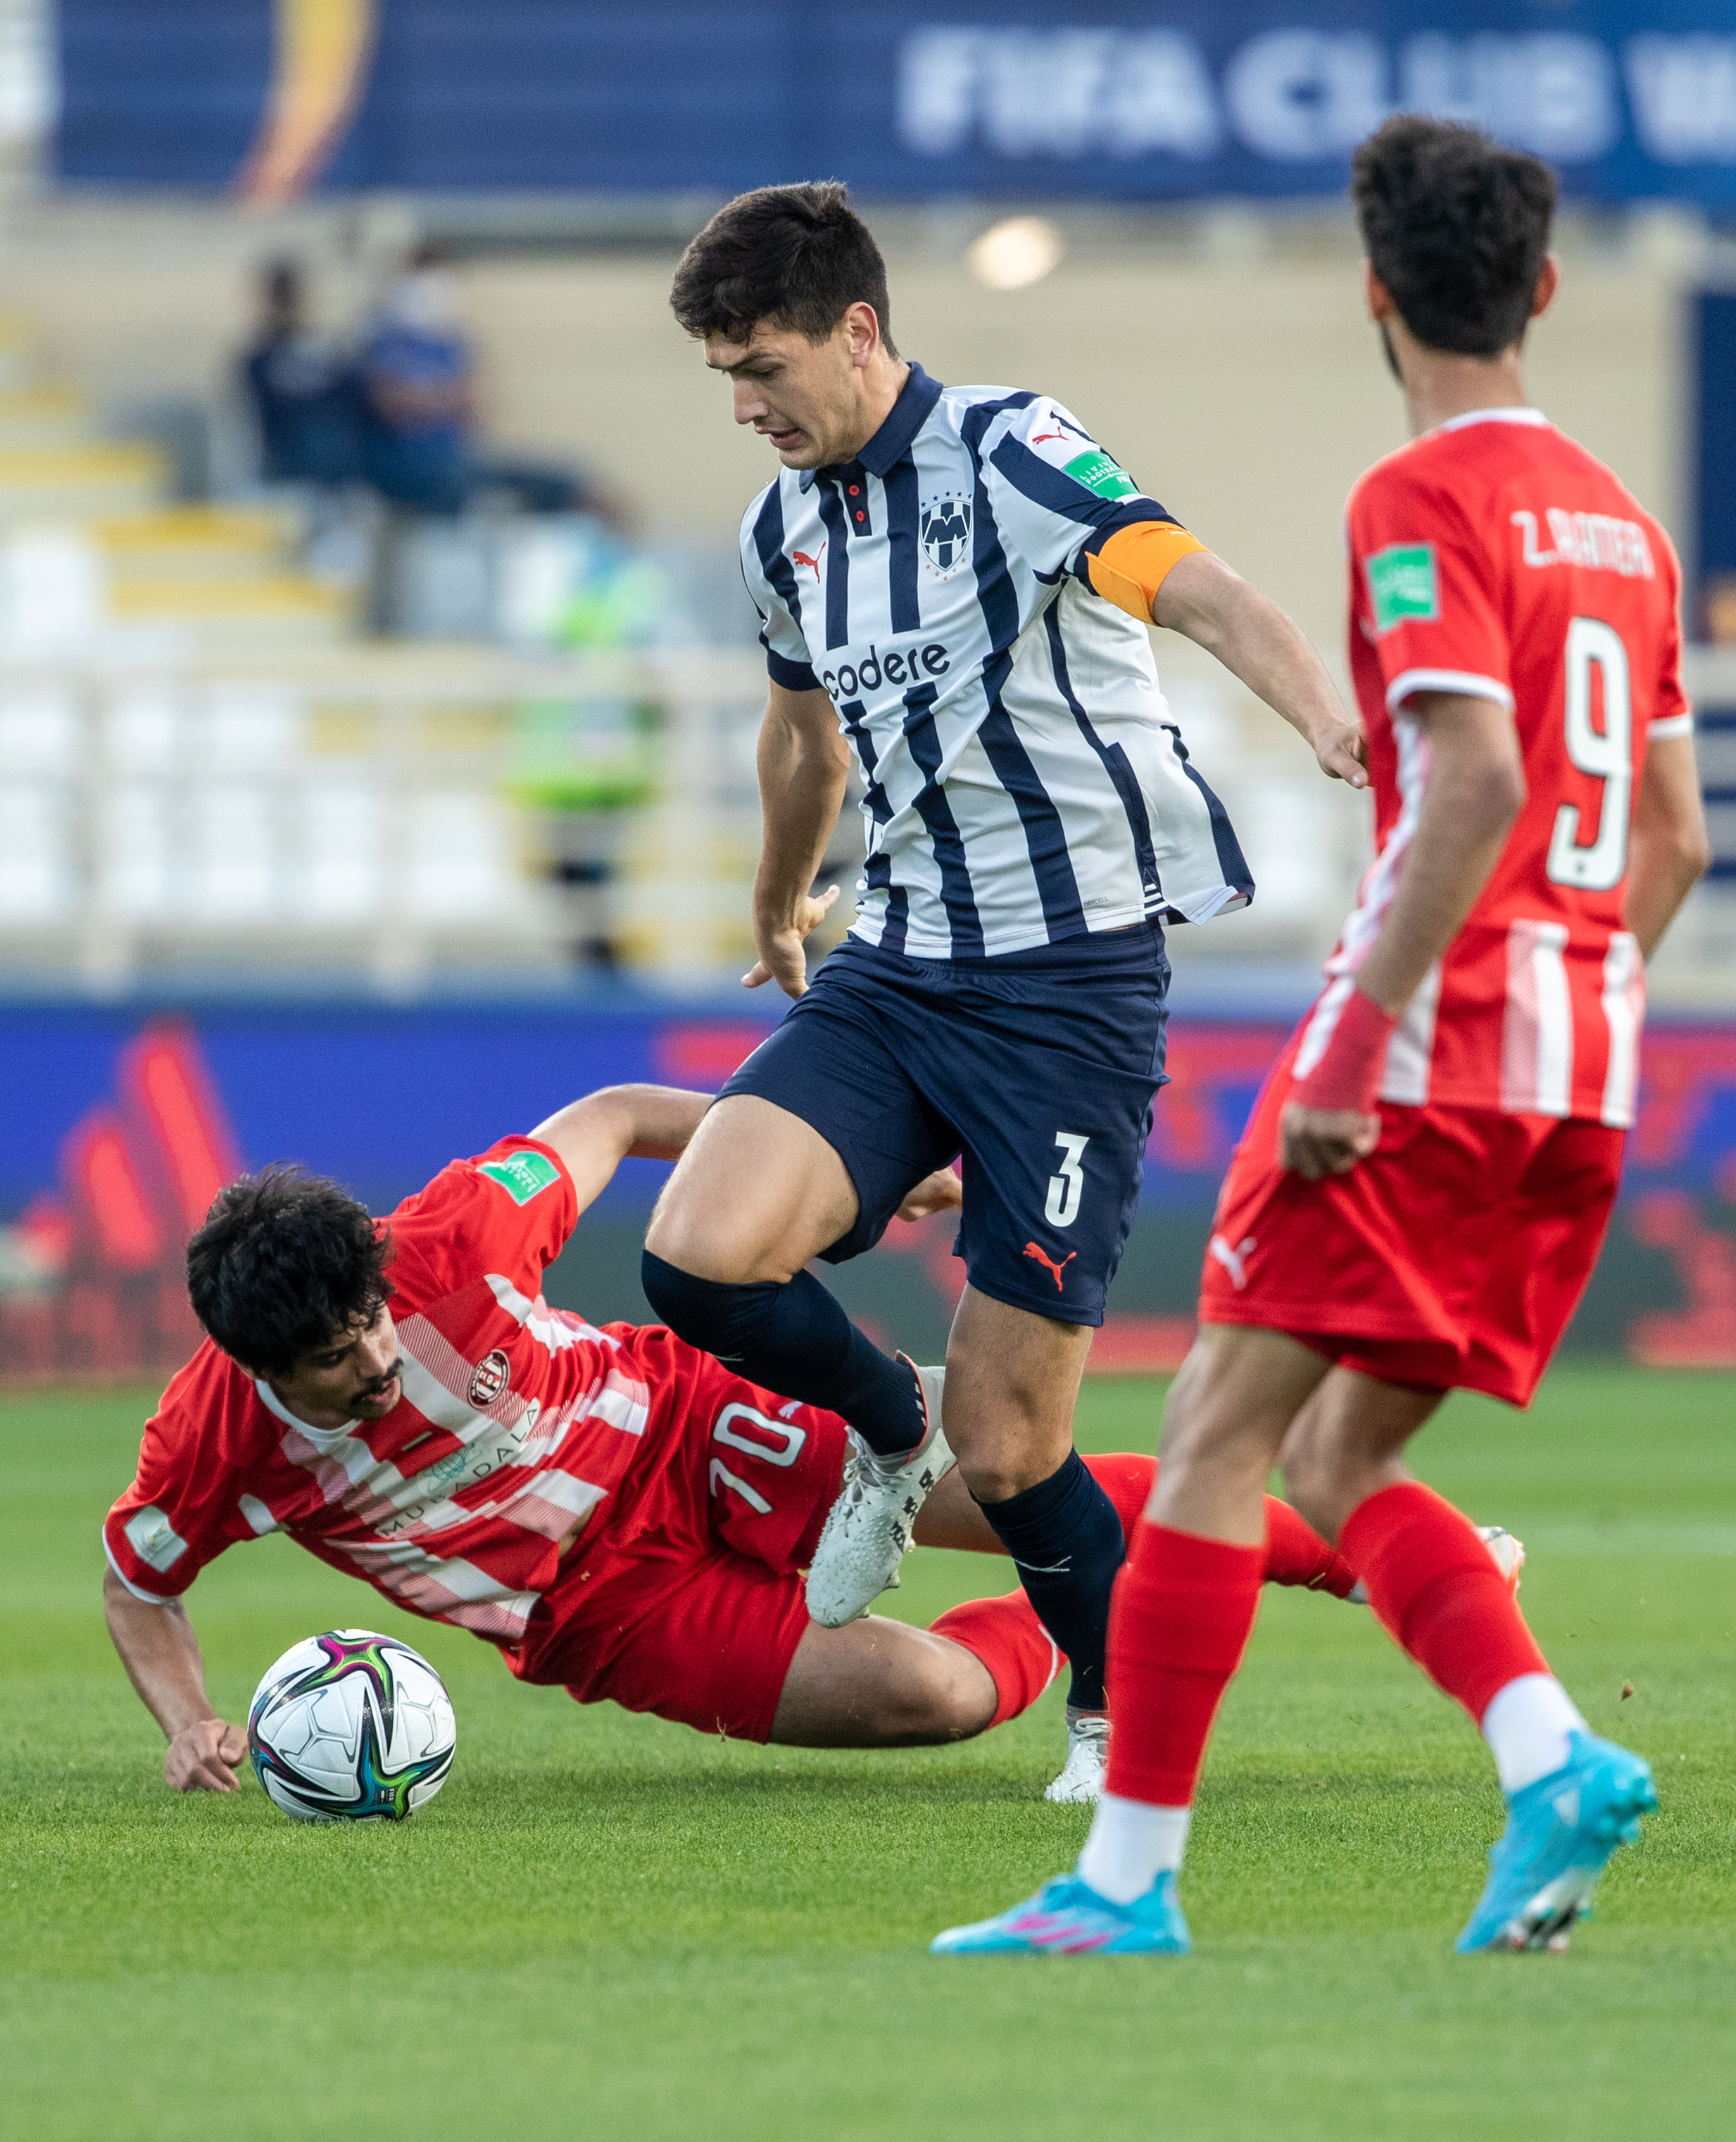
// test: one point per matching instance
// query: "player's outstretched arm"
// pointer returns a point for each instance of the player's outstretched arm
(1670, 851)
(163, 1663)
(594, 1135)
(1476, 790)
(1202, 599)
(803, 764)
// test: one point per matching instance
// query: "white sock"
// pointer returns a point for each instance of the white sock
(1526, 1727)
(1131, 1844)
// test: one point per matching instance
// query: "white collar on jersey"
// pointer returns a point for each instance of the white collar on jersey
(1525, 415)
(324, 1440)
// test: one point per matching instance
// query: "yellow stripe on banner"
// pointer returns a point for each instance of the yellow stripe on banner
(323, 50)
(1136, 561)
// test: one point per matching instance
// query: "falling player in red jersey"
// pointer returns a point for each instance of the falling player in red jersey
(1424, 1186)
(616, 1511)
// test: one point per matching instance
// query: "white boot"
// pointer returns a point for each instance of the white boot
(868, 1529)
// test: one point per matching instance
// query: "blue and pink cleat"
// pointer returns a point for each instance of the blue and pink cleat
(1560, 1832)
(1068, 1918)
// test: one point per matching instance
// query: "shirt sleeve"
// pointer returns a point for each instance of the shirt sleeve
(1059, 499)
(185, 1505)
(509, 1213)
(771, 582)
(1424, 592)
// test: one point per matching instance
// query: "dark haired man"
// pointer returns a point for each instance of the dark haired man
(956, 584)
(620, 1515)
(1420, 1199)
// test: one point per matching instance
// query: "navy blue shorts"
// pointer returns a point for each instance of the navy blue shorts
(1039, 1067)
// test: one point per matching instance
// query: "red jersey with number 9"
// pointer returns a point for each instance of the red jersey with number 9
(1496, 558)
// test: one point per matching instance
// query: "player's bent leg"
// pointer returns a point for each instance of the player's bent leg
(757, 1194)
(1432, 1585)
(881, 1684)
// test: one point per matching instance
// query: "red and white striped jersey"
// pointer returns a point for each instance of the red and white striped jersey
(1496, 558)
(516, 1422)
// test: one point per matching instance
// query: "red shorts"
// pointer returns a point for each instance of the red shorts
(1452, 1257)
(688, 1601)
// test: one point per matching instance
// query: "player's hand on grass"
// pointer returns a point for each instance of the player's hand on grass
(781, 959)
(942, 1191)
(1320, 1142)
(205, 1757)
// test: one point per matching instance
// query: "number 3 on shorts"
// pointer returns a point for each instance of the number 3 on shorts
(1066, 1189)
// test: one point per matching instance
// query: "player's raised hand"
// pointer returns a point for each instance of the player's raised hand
(1321, 1142)
(781, 959)
(205, 1757)
(942, 1191)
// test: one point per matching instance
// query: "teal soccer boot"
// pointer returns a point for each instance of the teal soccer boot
(1068, 1917)
(1561, 1831)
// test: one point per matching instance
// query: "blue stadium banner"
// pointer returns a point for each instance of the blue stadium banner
(1629, 99)
(118, 1125)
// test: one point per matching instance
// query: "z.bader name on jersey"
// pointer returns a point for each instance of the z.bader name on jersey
(1537, 1005)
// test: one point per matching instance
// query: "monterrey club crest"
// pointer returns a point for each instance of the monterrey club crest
(946, 534)
(491, 1375)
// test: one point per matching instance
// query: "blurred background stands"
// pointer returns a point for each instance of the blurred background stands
(368, 604)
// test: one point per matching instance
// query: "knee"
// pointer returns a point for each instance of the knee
(1008, 1431)
(715, 1315)
(688, 1239)
(949, 1695)
(725, 1252)
(926, 1689)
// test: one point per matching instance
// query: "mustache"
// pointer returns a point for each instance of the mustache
(376, 1388)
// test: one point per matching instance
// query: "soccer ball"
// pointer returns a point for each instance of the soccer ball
(351, 1725)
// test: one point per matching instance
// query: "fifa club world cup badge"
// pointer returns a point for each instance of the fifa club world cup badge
(946, 534)
(491, 1377)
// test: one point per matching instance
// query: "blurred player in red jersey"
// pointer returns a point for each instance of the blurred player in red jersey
(617, 1512)
(1423, 1189)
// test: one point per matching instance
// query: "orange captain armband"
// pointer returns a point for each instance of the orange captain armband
(1134, 563)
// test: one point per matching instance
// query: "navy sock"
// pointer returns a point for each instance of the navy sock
(797, 1340)
(1066, 1541)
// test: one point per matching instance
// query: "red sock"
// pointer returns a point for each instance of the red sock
(1007, 1637)
(1295, 1553)
(1179, 1622)
(1126, 1477)
(1434, 1589)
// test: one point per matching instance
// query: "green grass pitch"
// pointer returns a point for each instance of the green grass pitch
(608, 1926)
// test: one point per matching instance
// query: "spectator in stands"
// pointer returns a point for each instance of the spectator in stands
(302, 390)
(419, 406)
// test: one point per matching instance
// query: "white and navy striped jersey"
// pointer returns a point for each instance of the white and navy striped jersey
(1025, 780)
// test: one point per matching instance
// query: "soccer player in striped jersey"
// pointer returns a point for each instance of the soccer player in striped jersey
(956, 586)
(1424, 1186)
